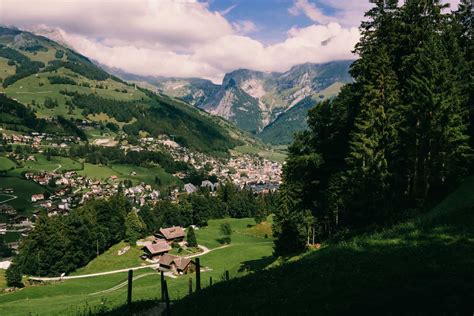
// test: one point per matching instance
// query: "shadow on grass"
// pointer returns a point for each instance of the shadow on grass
(256, 265)
(421, 267)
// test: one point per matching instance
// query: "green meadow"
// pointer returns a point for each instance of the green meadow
(37, 87)
(23, 190)
(247, 253)
(129, 172)
(6, 164)
(56, 163)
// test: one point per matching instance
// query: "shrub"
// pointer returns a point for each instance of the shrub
(13, 276)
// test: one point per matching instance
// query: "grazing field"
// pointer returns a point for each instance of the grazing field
(270, 154)
(23, 190)
(37, 87)
(129, 172)
(57, 163)
(96, 171)
(110, 260)
(6, 164)
(5, 69)
(146, 175)
(246, 254)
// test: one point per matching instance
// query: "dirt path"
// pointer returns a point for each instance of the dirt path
(39, 92)
(152, 266)
(205, 250)
(12, 197)
(59, 167)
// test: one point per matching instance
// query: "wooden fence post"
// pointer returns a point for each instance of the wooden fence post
(227, 275)
(210, 281)
(167, 298)
(129, 292)
(198, 275)
(162, 279)
(190, 285)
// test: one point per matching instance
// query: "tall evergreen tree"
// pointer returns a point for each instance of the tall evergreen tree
(191, 237)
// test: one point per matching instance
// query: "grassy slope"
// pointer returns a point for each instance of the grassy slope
(110, 260)
(267, 153)
(167, 116)
(423, 266)
(246, 253)
(42, 164)
(123, 172)
(28, 89)
(6, 164)
(24, 189)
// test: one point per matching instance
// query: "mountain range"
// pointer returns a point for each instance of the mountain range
(259, 102)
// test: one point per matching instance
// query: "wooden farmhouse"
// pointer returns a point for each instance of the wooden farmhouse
(172, 234)
(154, 250)
(179, 265)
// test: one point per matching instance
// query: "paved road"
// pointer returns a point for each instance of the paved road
(153, 266)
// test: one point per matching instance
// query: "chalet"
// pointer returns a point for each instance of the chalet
(175, 233)
(179, 265)
(37, 197)
(156, 250)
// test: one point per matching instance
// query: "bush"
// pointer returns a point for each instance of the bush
(13, 276)
(226, 229)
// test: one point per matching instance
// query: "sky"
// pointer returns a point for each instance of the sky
(196, 38)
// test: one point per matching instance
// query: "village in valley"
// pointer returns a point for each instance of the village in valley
(65, 189)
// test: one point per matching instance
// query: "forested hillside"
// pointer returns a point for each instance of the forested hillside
(396, 140)
(52, 80)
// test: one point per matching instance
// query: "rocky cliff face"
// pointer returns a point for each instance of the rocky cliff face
(254, 100)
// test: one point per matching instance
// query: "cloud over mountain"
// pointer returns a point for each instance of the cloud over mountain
(185, 37)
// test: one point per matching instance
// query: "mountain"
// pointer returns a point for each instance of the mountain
(53, 81)
(255, 100)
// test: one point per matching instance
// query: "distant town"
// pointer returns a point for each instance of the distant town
(72, 189)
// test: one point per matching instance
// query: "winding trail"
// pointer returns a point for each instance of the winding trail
(152, 266)
(12, 197)
(38, 92)
(59, 167)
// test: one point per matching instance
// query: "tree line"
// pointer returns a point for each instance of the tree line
(61, 244)
(107, 155)
(393, 142)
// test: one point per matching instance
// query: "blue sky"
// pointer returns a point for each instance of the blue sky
(270, 16)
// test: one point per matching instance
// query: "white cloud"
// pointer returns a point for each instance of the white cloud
(311, 11)
(245, 26)
(180, 38)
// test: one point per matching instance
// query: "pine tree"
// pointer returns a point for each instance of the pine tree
(134, 227)
(435, 120)
(191, 237)
(371, 142)
(374, 134)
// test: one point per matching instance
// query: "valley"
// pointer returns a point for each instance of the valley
(236, 158)
(259, 102)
